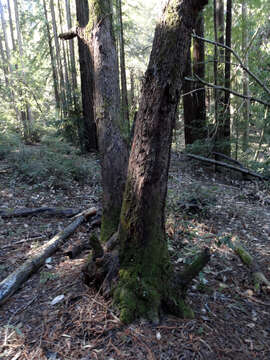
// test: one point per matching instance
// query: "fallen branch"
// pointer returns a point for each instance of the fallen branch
(8, 213)
(220, 163)
(257, 275)
(13, 282)
(73, 251)
(194, 268)
(236, 162)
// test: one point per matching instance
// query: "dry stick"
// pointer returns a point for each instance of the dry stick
(13, 282)
(220, 163)
(222, 88)
(239, 60)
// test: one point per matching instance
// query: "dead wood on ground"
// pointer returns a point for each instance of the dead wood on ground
(68, 212)
(220, 163)
(13, 282)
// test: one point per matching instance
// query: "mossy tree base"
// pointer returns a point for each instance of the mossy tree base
(139, 294)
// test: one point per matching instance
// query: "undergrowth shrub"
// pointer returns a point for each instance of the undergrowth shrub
(54, 165)
(8, 142)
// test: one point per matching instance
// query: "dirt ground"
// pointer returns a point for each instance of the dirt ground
(232, 321)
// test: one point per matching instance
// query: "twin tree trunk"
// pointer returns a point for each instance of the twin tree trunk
(145, 277)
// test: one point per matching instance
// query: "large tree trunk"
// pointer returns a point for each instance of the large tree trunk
(87, 126)
(145, 271)
(98, 35)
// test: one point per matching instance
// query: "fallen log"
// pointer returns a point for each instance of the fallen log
(13, 282)
(220, 163)
(256, 273)
(68, 212)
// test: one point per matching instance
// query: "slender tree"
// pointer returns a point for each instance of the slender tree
(59, 61)
(72, 58)
(53, 60)
(87, 126)
(124, 95)
(246, 107)
(26, 115)
(194, 100)
(227, 80)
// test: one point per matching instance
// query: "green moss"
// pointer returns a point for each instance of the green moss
(109, 224)
(185, 311)
(245, 257)
(98, 9)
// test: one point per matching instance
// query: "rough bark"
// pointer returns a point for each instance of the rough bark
(145, 270)
(87, 126)
(14, 281)
(99, 36)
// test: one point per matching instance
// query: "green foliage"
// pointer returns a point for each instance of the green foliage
(46, 276)
(54, 165)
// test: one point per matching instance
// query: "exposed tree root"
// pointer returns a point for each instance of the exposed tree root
(258, 276)
(8, 213)
(134, 294)
(13, 282)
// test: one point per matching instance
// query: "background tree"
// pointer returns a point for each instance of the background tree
(87, 126)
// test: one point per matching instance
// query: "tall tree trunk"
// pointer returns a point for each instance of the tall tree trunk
(227, 113)
(112, 147)
(11, 26)
(145, 270)
(72, 58)
(4, 62)
(87, 126)
(221, 142)
(65, 60)
(5, 57)
(124, 97)
(98, 35)
(59, 61)
(25, 114)
(194, 102)
(53, 62)
(246, 107)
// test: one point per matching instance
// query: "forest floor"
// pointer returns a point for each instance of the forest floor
(232, 321)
